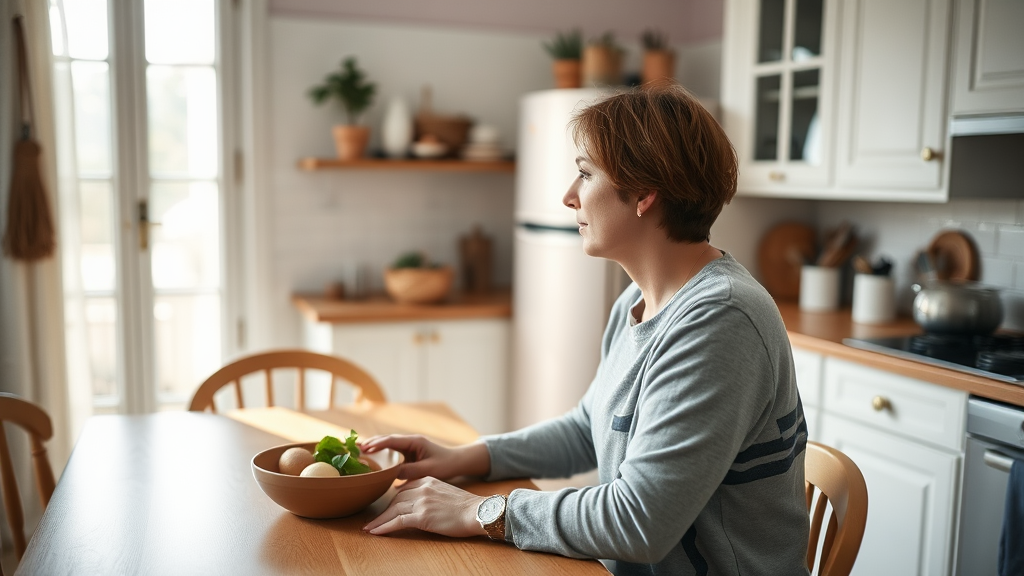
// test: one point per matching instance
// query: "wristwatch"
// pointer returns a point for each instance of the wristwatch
(491, 515)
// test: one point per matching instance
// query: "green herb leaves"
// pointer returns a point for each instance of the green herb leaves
(342, 455)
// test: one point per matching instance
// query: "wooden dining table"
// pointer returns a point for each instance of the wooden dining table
(173, 493)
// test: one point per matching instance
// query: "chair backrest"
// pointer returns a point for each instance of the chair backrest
(366, 386)
(37, 423)
(839, 482)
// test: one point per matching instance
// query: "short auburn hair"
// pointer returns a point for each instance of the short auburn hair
(660, 138)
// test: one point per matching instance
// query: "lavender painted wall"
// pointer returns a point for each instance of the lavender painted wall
(685, 21)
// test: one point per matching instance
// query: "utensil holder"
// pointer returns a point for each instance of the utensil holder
(819, 288)
(874, 299)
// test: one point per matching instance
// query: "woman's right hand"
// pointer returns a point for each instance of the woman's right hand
(425, 458)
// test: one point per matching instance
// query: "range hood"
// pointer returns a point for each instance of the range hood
(986, 157)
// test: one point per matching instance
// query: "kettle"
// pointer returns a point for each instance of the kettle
(957, 307)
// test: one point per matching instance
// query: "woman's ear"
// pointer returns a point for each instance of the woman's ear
(645, 201)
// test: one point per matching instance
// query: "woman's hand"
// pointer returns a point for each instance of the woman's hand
(425, 458)
(433, 506)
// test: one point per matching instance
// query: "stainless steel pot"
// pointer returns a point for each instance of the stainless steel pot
(957, 307)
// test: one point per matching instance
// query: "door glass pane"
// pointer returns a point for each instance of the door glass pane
(766, 124)
(91, 85)
(182, 121)
(187, 334)
(807, 35)
(87, 28)
(772, 26)
(101, 329)
(186, 244)
(805, 133)
(96, 217)
(180, 31)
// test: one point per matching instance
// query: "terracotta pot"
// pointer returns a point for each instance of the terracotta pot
(567, 73)
(350, 141)
(602, 66)
(659, 66)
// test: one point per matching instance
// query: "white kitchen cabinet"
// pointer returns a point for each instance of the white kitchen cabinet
(809, 380)
(906, 436)
(988, 70)
(892, 94)
(872, 126)
(911, 499)
(463, 363)
(777, 93)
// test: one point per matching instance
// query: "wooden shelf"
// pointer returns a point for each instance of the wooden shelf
(446, 165)
(380, 308)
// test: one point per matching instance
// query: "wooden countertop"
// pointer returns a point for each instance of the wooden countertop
(823, 332)
(380, 308)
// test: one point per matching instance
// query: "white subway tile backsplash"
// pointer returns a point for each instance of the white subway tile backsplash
(985, 238)
(1010, 241)
(997, 272)
(901, 230)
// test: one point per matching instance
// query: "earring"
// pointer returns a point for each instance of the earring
(638, 212)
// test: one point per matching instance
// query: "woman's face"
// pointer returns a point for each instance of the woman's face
(606, 222)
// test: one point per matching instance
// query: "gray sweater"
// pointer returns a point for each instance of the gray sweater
(695, 426)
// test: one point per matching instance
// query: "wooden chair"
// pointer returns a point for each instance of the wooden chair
(366, 386)
(839, 482)
(37, 423)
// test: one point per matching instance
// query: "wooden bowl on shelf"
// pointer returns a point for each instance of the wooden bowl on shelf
(418, 285)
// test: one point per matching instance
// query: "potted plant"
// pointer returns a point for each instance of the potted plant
(413, 279)
(659, 60)
(566, 49)
(602, 62)
(350, 88)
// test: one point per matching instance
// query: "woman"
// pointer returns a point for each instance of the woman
(692, 420)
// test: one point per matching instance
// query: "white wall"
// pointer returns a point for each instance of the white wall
(324, 224)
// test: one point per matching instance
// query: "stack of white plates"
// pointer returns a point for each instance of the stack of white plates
(484, 144)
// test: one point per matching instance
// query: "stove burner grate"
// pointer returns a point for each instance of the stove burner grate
(1008, 362)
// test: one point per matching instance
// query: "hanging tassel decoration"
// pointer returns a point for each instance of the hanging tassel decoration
(30, 234)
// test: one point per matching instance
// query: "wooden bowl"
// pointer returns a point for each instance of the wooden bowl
(418, 285)
(325, 497)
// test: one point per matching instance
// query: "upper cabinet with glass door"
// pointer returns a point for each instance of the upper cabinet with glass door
(776, 94)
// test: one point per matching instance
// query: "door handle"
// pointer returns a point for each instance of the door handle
(144, 225)
(997, 460)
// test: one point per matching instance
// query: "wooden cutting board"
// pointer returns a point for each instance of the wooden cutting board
(954, 256)
(780, 256)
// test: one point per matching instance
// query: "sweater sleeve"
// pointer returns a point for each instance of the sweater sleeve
(555, 448)
(708, 387)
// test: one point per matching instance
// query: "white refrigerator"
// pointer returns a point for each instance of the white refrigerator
(561, 296)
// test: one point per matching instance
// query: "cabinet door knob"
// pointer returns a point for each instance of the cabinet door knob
(880, 403)
(928, 154)
(776, 176)
(418, 338)
(435, 337)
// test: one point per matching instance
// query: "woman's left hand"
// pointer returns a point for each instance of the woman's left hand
(433, 506)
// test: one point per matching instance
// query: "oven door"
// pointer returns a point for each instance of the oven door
(986, 472)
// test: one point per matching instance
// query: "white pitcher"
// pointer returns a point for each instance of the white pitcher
(396, 128)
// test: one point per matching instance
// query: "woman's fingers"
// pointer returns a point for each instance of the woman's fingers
(399, 442)
(431, 505)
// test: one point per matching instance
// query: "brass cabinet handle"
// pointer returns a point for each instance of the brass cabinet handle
(435, 337)
(776, 176)
(418, 338)
(928, 154)
(880, 403)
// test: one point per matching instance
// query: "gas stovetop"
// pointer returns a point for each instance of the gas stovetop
(999, 356)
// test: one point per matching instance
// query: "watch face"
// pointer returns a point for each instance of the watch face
(491, 509)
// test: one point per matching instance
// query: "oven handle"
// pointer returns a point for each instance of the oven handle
(998, 460)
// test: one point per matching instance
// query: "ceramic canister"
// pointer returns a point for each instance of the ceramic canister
(396, 129)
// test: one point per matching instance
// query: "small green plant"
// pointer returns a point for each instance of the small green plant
(414, 260)
(566, 45)
(349, 87)
(654, 40)
(608, 41)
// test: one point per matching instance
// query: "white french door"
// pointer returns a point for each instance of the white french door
(140, 87)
